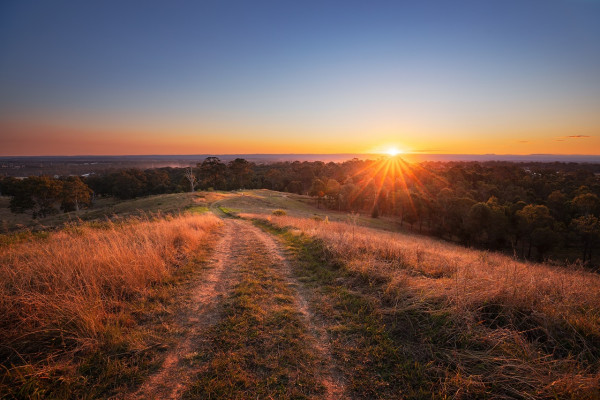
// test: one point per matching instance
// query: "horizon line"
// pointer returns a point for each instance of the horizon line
(304, 154)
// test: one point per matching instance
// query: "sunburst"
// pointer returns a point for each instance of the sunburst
(393, 152)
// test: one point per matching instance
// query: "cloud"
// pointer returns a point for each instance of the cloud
(523, 141)
(564, 138)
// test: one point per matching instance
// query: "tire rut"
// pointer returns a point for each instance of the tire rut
(203, 311)
(333, 380)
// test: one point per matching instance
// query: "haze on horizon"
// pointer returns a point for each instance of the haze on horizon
(235, 77)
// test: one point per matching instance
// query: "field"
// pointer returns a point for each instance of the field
(259, 294)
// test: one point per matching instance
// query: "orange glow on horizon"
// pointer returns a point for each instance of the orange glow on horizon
(18, 138)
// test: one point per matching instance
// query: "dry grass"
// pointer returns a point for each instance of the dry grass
(103, 208)
(60, 296)
(532, 330)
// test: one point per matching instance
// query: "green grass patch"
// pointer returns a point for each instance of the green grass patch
(198, 209)
(230, 212)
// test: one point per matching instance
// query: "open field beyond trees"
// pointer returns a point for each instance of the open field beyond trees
(259, 294)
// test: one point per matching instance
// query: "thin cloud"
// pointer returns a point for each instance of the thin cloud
(564, 138)
(523, 141)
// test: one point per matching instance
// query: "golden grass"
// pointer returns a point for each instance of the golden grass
(61, 293)
(536, 325)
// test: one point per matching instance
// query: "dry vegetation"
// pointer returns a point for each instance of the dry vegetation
(75, 292)
(495, 326)
(103, 208)
(85, 310)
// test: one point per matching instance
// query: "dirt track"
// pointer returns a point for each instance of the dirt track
(240, 242)
(174, 376)
(333, 381)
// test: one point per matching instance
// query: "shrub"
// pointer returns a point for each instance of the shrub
(375, 212)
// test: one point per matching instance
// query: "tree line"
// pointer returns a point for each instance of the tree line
(530, 209)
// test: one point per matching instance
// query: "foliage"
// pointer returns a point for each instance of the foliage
(493, 205)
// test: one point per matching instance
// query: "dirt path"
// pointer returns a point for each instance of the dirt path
(333, 380)
(240, 244)
(174, 376)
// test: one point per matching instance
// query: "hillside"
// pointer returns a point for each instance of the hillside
(259, 294)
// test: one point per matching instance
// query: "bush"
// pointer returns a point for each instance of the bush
(375, 212)
(279, 213)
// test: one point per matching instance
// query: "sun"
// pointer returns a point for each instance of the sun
(393, 152)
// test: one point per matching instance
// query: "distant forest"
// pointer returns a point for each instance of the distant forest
(533, 210)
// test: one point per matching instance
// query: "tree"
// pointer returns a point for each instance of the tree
(587, 203)
(212, 171)
(410, 216)
(478, 223)
(74, 194)
(487, 223)
(420, 207)
(241, 171)
(158, 181)
(294, 187)
(457, 215)
(9, 185)
(21, 197)
(191, 177)
(128, 184)
(443, 203)
(274, 177)
(37, 193)
(317, 189)
(588, 230)
(401, 204)
(332, 191)
(534, 217)
(557, 202)
(347, 195)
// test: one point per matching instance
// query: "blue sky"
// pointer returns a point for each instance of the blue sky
(491, 75)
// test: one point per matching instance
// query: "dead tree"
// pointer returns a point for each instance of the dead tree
(191, 177)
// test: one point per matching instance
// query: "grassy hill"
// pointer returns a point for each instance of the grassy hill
(475, 322)
(88, 310)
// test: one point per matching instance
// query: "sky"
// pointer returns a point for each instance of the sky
(239, 77)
